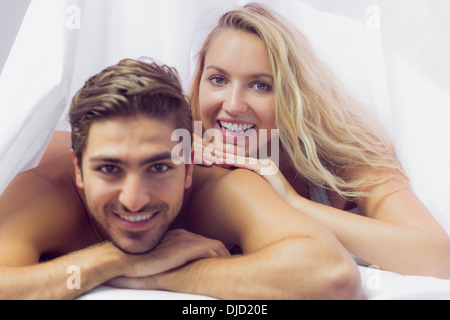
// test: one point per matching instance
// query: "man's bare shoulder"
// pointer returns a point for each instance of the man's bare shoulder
(222, 200)
(205, 177)
(41, 211)
(240, 208)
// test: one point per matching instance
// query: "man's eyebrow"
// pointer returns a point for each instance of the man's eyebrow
(114, 160)
(156, 158)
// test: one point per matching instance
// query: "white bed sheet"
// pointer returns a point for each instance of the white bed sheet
(377, 285)
(393, 55)
(109, 293)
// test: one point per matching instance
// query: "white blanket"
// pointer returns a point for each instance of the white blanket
(377, 285)
(393, 55)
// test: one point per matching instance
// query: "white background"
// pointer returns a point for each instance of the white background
(11, 15)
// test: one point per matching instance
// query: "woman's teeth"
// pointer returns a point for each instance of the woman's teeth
(235, 128)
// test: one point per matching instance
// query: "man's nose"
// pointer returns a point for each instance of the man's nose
(134, 194)
(235, 100)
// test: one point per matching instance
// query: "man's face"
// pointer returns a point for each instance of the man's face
(133, 189)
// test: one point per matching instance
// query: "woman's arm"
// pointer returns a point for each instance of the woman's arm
(396, 232)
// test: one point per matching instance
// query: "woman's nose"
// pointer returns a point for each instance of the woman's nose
(234, 101)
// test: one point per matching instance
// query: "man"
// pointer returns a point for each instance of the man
(131, 216)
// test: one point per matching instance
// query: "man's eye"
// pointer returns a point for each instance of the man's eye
(159, 168)
(109, 169)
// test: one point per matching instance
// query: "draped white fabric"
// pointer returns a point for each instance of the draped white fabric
(393, 55)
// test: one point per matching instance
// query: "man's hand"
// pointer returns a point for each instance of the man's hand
(177, 248)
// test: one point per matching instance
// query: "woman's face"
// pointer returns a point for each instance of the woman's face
(236, 96)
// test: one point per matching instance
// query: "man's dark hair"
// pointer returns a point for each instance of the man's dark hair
(129, 88)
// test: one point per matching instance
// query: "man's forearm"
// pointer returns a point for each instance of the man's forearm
(69, 276)
(279, 271)
(66, 277)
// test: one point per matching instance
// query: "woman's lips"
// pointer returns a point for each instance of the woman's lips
(235, 128)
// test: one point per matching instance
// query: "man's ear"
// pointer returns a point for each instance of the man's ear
(78, 175)
(189, 171)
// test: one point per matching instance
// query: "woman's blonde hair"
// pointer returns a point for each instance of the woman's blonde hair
(325, 133)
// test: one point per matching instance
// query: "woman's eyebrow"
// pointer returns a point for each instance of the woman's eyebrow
(218, 69)
(254, 75)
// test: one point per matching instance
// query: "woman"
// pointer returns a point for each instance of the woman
(332, 151)
(256, 72)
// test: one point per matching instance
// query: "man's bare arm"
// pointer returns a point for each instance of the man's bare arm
(66, 277)
(42, 214)
(76, 273)
(286, 254)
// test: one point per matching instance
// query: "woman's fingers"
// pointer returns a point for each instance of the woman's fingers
(206, 154)
(203, 152)
(263, 167)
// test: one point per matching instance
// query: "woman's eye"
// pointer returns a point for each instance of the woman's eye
(216, 80)
(159, 168)
(261, 86)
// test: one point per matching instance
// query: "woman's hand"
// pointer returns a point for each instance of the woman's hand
(266, 168)
(207, 155)
(203, 152)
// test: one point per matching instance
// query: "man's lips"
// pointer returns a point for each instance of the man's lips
(136, 221)
(135, 218)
